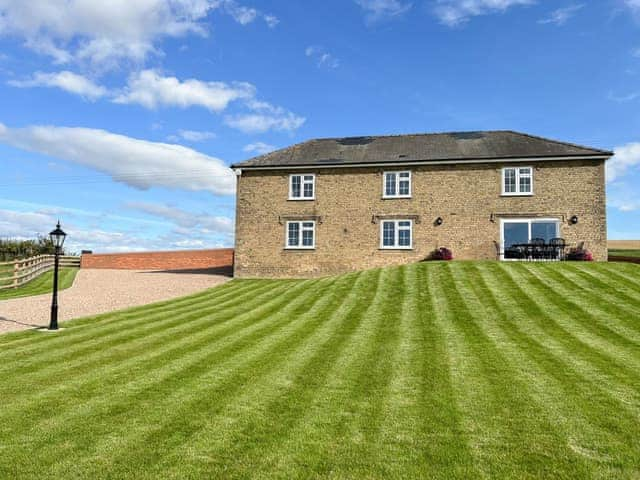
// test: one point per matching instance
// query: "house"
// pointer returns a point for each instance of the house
(335, 205)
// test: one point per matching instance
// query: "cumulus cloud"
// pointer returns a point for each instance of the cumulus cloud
(259, 148)
(191, 136)
(376, 10)
(151, 90)
(138, 163)
(625, 160)
(321, 57)
(560, 16)
(64, 80)
(185, 219)
(104, 33)
(456, 12)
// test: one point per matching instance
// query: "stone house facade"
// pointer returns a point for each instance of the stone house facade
(338, 205)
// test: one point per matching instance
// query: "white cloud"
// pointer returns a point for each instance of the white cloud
(322, 57)
(64, 80)
(137, 163)
(457, 12)
(264, 117)
(560, 16)
(105, 33)
(151, 90)
(192, 136)
(626, 159)
(376, 10)
(271, 20)
(258, 147)
(185, 219)
(623, 98)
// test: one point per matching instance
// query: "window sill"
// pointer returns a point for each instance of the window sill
(396, 248)
(395, 197)
(304, 249)
(516, 195)
(301, 199)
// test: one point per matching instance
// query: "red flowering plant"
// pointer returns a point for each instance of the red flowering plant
(442, 253)
(580, 255)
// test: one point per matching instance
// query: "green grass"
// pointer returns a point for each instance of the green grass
(616, 252)
(438, 370)
(41, 284)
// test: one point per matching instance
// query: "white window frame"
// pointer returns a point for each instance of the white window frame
(396, 229)
(299, 246)
(528, 221)
(397, 174)
(302, 184)
(517, 193)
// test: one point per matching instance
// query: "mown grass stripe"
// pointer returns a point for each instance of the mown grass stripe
(269, 410)
(591, 410)
(500, 399)
(108, 322)
(212, 397)
(39, 405)
(92, 349)
(602, 332)
(594, 361)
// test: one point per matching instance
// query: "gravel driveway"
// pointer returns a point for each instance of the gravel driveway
(100, 291)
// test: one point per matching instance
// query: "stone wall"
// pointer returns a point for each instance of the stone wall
(467, 197)
(174, 260)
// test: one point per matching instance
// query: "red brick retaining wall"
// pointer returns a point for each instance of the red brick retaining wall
(175, 260)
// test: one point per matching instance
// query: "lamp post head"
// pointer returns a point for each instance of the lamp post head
(57, 236)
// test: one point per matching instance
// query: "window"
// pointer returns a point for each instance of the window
(397, 185)
(302, 187)
(396, 234)
(517, 181)
(301, 235)
(522, 230)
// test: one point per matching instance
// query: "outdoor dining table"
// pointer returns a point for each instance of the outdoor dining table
(539, 251)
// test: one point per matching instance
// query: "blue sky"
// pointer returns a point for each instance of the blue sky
(121, 119)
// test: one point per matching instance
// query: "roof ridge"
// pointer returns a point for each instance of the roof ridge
(559, 142)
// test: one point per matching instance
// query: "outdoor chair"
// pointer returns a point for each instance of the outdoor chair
(538, 248)
(557, 248)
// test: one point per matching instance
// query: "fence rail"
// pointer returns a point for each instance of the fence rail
(16, 273)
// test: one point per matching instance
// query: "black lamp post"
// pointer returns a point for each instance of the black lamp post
(57, 238)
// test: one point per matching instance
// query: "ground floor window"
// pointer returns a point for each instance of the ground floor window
(396, 234)
(301, 234)
(522, 231)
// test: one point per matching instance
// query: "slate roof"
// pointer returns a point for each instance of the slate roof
(428, 147)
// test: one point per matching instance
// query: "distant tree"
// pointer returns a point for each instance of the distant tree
(11, 249)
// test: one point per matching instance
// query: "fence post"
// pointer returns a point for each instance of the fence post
(16, 271)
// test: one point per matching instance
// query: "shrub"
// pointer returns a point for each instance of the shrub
(580, 255)
(442, 253)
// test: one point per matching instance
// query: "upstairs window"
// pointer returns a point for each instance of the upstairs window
(517, 181)
(396, 234)
(397, 185)
(302, 187)
(301, 235)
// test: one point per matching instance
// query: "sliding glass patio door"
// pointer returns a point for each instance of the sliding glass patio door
(515, 231)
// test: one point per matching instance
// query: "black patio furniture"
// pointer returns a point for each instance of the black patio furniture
(557, 248)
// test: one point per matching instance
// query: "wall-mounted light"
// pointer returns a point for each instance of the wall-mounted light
(574, 219)
(439, 221)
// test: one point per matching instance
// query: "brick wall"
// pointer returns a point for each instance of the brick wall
(175, 260)
(467, 197)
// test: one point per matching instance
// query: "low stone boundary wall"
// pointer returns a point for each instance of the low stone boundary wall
(221, 258)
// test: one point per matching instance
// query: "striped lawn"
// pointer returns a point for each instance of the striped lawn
(434, 370)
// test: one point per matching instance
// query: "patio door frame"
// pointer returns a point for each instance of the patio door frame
(529, 221)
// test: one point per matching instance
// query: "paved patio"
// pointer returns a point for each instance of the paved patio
(101, 291)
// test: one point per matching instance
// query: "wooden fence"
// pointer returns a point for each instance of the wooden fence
(16, 273)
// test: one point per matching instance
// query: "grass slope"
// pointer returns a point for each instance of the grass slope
(41, 284)
(439, 370)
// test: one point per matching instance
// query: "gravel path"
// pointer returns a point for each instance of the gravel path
(100, 291)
